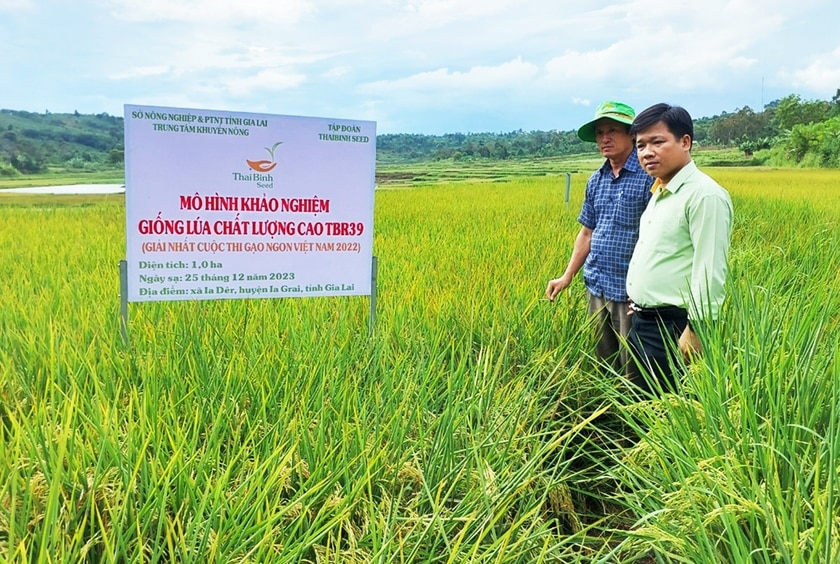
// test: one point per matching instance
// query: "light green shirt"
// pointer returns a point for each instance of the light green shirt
(681, 256)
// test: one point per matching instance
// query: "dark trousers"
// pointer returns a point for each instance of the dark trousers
(654, 347)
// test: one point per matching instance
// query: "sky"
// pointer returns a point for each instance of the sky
(417, 66)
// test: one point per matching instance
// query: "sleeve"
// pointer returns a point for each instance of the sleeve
(710, 226)
(587, 211)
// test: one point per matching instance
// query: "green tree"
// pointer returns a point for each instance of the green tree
(816, 143)
(793, 111)
(744, 124)
(835, 104)
(116, 156)
(25, 164)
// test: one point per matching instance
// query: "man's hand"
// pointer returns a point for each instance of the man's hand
(690, 345)
(556, 286)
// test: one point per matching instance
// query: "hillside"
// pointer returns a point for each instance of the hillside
(35, 143)
(790, 131)
(32, 143)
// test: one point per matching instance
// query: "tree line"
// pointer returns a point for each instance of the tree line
(790, 131)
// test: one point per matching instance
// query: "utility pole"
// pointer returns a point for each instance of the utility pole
(762, 93)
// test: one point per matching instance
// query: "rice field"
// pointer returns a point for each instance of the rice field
(471, 426)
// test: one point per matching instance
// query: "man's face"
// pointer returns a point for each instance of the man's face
(660, 153)
(612, 138)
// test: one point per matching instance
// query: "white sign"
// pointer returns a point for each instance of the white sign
(240, 205)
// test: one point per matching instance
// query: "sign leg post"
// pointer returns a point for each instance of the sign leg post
(568, 188)
(124, 301)
(372, 318)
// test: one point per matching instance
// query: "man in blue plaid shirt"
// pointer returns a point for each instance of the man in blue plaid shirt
(616, 195)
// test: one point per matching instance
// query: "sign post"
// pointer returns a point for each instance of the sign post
(568, 188)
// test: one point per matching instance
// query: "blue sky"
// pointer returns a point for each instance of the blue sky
(417, 66)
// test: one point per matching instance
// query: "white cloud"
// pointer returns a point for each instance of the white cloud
(16, 5)
(264, 80)
(685, 46)
(142, 72)
(336, 72)
(205, 55)
(440, 12)
(503, 76)
(435, 64)
(212, 11)
(438, 30)
(822, 75)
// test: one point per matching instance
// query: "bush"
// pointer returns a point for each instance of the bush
(7, 170)
(817, 144)
(26, 164)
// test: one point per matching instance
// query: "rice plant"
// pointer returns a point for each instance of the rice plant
(472, 426)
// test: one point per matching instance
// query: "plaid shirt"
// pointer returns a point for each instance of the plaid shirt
(612, 208)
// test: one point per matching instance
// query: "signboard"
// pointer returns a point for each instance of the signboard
(223, 205)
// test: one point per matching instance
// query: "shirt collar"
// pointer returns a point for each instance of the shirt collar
(631, 164)
(679, 179)
(657, 187)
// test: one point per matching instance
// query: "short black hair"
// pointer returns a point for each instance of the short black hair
(676, 119)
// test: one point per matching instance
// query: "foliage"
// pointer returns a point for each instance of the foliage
(743, 125)
(792, 111)
(470, 427)
(8, 171)
(469, 146)
(789, 131)
(32, 142)
(820, 141)
(750, 146)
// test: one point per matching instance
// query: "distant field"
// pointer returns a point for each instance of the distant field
(57, 179)
(414, 174)
(472, 426)
(436, 172)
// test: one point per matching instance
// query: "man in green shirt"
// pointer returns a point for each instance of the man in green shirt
(678, 269)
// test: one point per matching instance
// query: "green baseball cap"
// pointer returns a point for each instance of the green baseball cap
(615, 111)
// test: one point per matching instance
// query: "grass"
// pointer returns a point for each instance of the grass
(472, 426)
